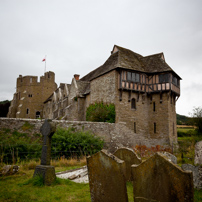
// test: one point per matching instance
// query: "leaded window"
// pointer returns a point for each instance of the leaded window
(164, 78)
(133, 77)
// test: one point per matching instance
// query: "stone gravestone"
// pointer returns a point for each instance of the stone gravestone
(106, 178)
(160, 180)
(197, 174)
(198, 153)
(130, 157)
(45, 170)
(169, 156)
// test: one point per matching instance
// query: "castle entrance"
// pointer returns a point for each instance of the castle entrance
(38, 115)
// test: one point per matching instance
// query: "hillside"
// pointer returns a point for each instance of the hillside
(184, 120)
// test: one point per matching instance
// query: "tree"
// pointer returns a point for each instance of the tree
(4, 106)
(197, 118)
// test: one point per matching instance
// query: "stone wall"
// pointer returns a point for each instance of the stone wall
(115, 135)
(104, 88)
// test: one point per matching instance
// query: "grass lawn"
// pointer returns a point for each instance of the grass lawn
(21, 187)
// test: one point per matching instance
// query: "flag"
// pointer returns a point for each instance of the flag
(44, 60)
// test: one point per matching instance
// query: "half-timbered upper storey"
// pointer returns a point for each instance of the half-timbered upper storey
(148, 74)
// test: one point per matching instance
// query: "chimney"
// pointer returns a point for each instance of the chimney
(76, 76)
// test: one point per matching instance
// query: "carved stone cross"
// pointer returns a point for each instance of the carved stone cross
(47, 130)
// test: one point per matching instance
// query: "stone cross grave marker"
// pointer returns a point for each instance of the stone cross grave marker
(45, 170)
(47, 131)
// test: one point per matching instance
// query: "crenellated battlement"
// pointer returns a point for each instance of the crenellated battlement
(30, 95)
(33, 80)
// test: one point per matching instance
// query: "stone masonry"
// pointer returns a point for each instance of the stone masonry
(115, 135)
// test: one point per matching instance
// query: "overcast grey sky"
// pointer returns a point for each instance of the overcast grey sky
(77, 37)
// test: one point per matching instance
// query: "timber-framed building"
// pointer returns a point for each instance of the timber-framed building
(143, 89)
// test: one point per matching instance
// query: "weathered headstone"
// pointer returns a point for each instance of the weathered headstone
(130, 157)
(158, 179)
(106, 178)
(9, 170)
(45, 170)
(197, 174)
(170, 157)
(198, 153)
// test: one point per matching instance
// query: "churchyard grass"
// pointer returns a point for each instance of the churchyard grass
(22, 187)
(197, 195)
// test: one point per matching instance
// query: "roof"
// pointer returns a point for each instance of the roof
(127, 59)
(83, 87)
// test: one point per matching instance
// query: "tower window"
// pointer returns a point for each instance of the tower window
(30, 80)
(154, 106)
(161, 98)
(27, 111)
(154, 127)
(134, 127)
(133, 103)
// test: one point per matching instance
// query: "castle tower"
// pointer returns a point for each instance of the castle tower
(30, 94)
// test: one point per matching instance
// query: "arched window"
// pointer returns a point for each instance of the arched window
(133, 103)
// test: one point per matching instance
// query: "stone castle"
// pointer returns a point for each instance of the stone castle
(30, 95)
(143, 89)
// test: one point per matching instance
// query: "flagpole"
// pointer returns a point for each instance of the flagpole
(45, 64)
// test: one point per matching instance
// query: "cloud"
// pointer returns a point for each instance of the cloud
(77, 37)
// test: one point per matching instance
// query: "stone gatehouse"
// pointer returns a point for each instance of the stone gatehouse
(30, 94)
(144, 90)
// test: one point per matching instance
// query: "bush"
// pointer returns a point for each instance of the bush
(100, 112)
(70, 143)
(16, 146)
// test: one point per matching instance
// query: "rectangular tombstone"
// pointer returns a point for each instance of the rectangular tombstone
(160, 180)
(130, 157)
(106, 178)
